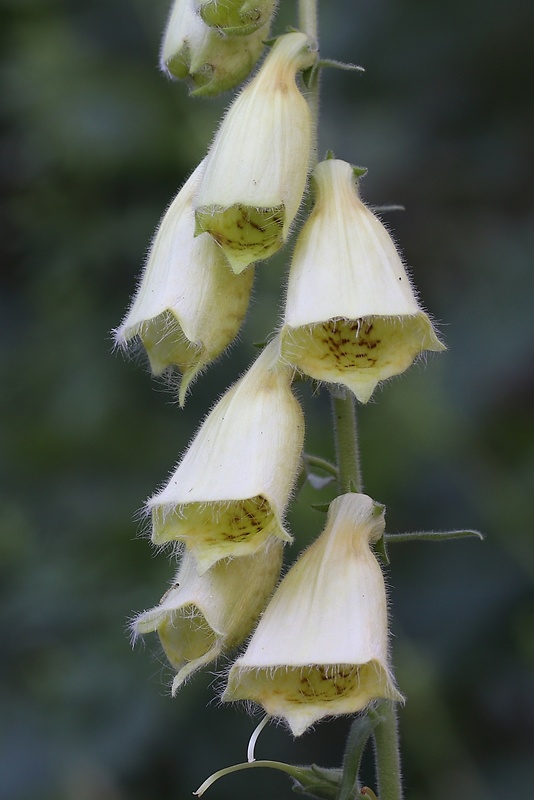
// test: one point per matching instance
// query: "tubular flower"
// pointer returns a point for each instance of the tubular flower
(351, 314)
(200, 617)
(189, 305)
(236, 17)
(212, 63)
(321, 647)
(229, 491)
(256, 168)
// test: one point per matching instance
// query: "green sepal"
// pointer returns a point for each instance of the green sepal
(381, 549)
(318, 782)
(359, 172)
(322, 507)
(432, 536)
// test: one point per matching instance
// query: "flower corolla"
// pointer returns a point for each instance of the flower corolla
(351, 314)
(202, 616)
(257, 166)
(321, 646)
(210, 62)
(230, 490)
(189, 305)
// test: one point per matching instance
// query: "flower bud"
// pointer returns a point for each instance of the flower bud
(236, 17)
(211, 62)
(351, 314)
(321, 646)
(189, 305)
(200, 617)
(257, 166)
(230, 490)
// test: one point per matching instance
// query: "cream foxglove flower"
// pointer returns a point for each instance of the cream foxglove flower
(189, 305)
(351, 314)
(211, 62)
(236, 17)
(200, 617)
(321, 646)
(230, 490)
(257, 166)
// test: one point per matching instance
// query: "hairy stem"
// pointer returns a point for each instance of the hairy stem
(387, 755)
(346, 438)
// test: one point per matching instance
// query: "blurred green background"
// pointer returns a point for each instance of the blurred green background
(94, 144)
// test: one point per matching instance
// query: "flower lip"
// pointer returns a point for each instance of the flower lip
(351, 314)
(320, 648)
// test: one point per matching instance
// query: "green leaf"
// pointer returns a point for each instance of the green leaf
(431, 536)
(332, 62)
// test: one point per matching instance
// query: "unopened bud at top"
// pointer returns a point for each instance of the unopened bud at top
(257, 166)
(351, 315)
(209, 61)
(236, 17)
(189, 305)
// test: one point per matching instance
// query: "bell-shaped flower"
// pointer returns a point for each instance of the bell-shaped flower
(321, 646)
(202, 616)
(257, 166)
(236, 17)
(351, 315)
(197, 53)
(189, 305)
(230, 490)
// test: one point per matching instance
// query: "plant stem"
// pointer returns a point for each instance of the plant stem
(346, 438)
(387, 755)
(308, 22)
(386, 739)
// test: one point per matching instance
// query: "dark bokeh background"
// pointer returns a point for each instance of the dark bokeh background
(94, 144)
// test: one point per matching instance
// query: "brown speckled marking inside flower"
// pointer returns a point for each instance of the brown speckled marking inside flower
(359, 352)
(322, 683)
(222, 524)
(243, 228)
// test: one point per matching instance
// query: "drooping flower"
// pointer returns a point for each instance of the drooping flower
(230, 490)
(257, 166)
(351, 314)
(202, 616)
(195, 52)
(189, 305)
(236, 17)
(321, 646)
